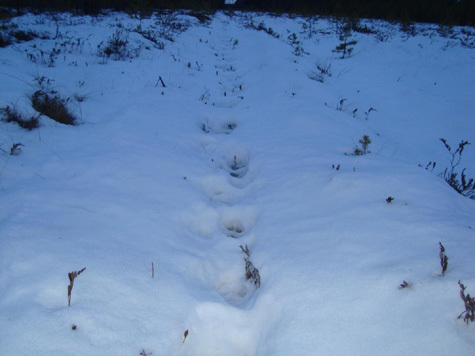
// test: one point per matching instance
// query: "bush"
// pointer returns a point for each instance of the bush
(364, 142)
(50, 104)
(23, 36)
(117, 48)
(345, 47)
(4, 41)
(11, 114)
(469, 313)
(464, 186)
(323, 71)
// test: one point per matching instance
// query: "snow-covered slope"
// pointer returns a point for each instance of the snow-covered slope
(217, 137)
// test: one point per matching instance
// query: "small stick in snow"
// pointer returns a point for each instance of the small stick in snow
(72, 276)
(404, 284)
(444, 260)
(153, 271)
(160, 80)
(185, 335)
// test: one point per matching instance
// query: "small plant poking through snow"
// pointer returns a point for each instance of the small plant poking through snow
(185, 335)
(323, 71)
(340, 104)
(365, 141)
(444, 260)
(469, 313)
(389, 200)
(72, 276)
(252, 273)
(369, 112)
(431, 165)
(463, 186)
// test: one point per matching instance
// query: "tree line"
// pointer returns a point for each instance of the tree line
(447, 12)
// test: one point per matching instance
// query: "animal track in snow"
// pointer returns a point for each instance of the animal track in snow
(237, 220)
(218, 189)
(235, 160)
(222, 330)
(202, 220)
(219, 125)
(225, 275)
(227, 103)
(227, 67)
(238, 167)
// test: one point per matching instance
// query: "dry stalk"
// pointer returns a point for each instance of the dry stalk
(72, 276)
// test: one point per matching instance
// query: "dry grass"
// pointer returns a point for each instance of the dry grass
(53, 106)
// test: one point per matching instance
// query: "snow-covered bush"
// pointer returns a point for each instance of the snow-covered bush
(117, 47)
(467, 38)
(261, 27)
(323, 70)
(53, 106)
(296, 44)
(9, 33)
(48, 102)
(152, 37)
(170, 25)
(11, 114)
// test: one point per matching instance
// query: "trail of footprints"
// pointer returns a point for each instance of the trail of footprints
(229, 267)
(235, 222)
(225, 191)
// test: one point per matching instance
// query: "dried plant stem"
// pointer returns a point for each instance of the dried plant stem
(72, 276)
(444, 260)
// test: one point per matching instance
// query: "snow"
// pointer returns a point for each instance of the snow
(237, 149)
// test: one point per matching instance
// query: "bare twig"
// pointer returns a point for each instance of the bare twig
(245, 250)
(160, 80)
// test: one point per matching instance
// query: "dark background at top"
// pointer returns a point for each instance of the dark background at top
(447, 12)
